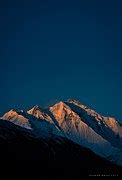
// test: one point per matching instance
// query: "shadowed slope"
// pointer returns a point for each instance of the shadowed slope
(26, 156)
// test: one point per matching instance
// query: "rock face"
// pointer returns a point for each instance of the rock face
(75, 122)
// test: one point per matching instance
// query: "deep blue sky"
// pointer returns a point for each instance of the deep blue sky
(59, 49)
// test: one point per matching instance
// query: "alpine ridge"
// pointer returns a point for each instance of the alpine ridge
(75, 122)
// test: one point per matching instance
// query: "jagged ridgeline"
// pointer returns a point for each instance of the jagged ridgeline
(65, 132)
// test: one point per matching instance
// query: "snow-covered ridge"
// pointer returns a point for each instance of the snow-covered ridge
(76, 122)
(39, 113)
(26, 120)
(16, 118)
(87, 109)
(107, 127)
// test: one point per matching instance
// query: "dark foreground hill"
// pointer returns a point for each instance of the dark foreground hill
(24, 156)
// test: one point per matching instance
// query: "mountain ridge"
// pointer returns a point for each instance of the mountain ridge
(74, 121)
(23, 155)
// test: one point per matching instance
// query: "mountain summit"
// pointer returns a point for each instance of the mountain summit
(73, 121)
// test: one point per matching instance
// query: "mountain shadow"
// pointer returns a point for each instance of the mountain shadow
(24, 156)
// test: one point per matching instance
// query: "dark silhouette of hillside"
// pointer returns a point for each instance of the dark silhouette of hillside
(24, 156)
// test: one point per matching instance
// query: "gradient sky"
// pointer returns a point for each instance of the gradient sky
(59, 49)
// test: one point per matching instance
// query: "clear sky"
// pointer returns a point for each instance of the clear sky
(59, 49)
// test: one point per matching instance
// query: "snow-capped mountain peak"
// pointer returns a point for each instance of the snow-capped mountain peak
(74, 101)
(61, 111)
(59, 107)
(39, 113)
(106, 127)
(16, 118)
(89, 111)
(9, 114)
(75, 121)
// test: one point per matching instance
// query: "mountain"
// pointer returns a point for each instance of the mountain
(27, 120)
(23, 155)
(71, 123)
(108, 127)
